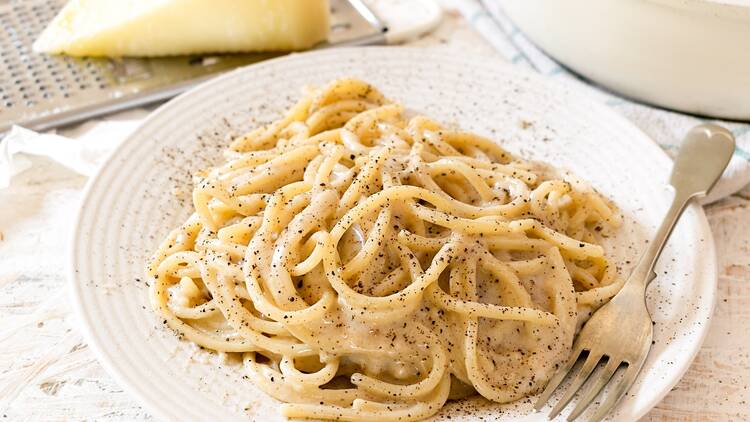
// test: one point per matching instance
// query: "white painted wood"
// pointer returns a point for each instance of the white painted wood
(48, 373)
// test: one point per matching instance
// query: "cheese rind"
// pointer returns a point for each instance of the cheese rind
(172, 27)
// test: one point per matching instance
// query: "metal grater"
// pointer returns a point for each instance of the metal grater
(41, 92)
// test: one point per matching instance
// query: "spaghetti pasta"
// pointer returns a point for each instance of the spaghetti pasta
(370, 266)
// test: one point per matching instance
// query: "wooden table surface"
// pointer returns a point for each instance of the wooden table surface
(47, 372)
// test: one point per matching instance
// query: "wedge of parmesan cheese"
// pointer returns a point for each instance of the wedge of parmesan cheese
(170, 27)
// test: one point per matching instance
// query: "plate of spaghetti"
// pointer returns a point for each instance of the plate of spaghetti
(376, 234)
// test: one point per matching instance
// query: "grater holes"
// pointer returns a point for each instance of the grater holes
(41, 12)
(22, 14)
(101, 83)
(26, 78)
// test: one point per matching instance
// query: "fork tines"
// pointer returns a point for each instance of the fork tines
(595, 385)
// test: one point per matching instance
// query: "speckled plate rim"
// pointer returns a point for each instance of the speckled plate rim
(120, 374)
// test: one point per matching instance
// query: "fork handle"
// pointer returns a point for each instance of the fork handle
(644, 272)
(703, 156)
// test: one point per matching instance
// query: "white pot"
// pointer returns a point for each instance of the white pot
(688, 55)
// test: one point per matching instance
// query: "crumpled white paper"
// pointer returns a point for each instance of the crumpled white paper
(82, 151)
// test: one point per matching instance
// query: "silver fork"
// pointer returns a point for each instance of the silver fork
(619, 333)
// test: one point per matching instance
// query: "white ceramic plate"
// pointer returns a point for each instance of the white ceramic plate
(144, 190)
